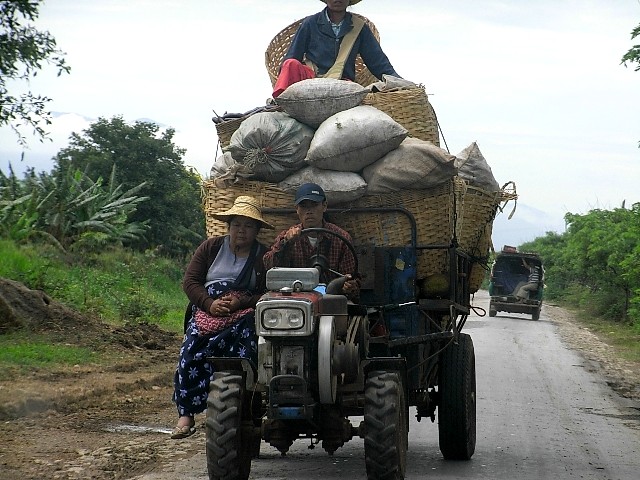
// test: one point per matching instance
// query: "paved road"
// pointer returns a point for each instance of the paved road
(541, 415)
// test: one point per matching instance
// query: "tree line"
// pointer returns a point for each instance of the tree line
(595, 263)
(115, 184)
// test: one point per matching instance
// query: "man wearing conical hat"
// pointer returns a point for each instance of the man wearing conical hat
(324, 47)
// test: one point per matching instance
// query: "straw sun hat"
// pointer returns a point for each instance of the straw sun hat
(247, 207)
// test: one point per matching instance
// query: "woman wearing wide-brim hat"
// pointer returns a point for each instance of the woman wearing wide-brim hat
(223, 281)
(315, 50)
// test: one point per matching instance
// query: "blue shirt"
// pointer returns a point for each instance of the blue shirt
(316, 41)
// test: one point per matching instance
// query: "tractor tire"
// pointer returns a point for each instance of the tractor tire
(386, 426)
(457, 404)
(230, 441)
(492, 310)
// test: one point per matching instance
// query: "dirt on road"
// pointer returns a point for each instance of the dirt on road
(111, 420)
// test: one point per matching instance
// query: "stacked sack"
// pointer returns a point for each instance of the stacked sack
(361, 156)
(324, 129)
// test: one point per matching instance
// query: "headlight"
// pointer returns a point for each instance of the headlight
(283, 319)
(285, 316)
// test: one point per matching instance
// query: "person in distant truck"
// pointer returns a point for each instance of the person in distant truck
(223, 282)
(524, 289)
(327, 44)
(291, 249)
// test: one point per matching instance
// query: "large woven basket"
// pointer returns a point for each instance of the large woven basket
(479, 210)
(479, 267)
(409, 107)
(450, 210)
(217, 199)
(279, 46)
(437, 211)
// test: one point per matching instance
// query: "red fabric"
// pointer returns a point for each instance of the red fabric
(292, 71)
(208, 325)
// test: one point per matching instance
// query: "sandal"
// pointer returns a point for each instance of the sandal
(183, 432)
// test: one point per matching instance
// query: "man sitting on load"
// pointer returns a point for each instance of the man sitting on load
(327, 44)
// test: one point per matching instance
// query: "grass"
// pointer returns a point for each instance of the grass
(625, 339)
(28, 352)
(118, 286)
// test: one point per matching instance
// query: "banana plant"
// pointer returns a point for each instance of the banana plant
(65, 207)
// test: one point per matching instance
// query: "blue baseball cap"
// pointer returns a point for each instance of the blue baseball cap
(310, 191)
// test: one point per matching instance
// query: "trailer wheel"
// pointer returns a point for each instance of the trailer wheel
(386, 426)
(492, 310)
(230, 441)
(536, 313)
(457, 405)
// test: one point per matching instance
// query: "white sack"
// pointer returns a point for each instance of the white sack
(473, 168)
(314, 100)
(415, 165)
(340, 187)
(272, 145)
(349, 141)
(225, 171)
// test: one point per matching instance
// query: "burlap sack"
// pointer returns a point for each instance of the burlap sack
(349, 141)
(340, 187)
(415, 165)
(272, 145)
(314, 100)
(473, 168)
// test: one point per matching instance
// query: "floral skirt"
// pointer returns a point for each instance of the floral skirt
(194, 372)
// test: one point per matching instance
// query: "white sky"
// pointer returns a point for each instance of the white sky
(538, 84)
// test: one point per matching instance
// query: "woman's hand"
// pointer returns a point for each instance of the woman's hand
(224, 306)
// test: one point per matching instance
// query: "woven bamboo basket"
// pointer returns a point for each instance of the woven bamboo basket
(438, 215)
(217, 199)
(225, 130)
(452, 209)
(479, 210)
(279, 46)
(409, 107)
(479, 267)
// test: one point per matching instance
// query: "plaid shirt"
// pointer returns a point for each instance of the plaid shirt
(297, 253)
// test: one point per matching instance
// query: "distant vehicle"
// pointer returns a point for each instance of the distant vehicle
(508, 272)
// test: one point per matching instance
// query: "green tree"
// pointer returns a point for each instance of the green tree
(142, 152)
(599, 244)
(595, 263)
(633, 55)
(550, 248)
(23, 52)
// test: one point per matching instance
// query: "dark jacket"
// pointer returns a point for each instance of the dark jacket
(316, 40)
(196, 273)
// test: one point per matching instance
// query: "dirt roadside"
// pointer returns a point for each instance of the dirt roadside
(111, 421)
